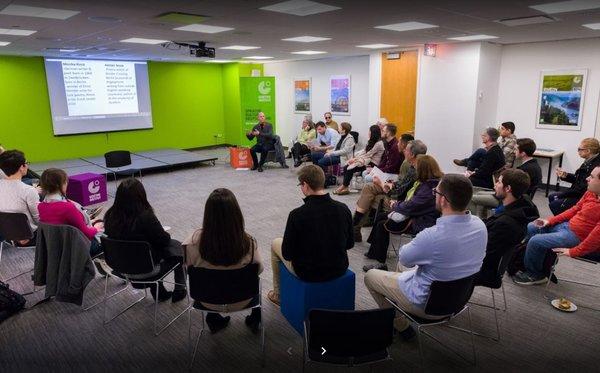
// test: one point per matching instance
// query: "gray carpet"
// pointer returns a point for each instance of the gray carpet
(61, 337)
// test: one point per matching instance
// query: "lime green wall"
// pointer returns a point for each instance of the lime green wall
(191, 103)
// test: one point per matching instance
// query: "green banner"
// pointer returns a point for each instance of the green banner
(256, 95)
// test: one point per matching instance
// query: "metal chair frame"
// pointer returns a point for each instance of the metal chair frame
(11, 242)
(553, 270)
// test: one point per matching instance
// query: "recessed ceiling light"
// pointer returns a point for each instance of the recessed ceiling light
(220, 61)
(16, 32)
(566, 6)
(143, 41)
(593, 26)
(240, 47)
(522, 21)
(258, 58)
(104, 19)
(377, 46)
(406, 26)
(309, 52)
(34, 11)
(4, 43)
(473, 37)
(306, 39)
(207, 29)
(300, 7)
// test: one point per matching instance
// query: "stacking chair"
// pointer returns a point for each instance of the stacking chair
(132, 262)
(348, 338)
(222, 288)
(14, 227)
(119, 159)
(448, 299)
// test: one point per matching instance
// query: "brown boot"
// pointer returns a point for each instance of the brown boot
(357, 234)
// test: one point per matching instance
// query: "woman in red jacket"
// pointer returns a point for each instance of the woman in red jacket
(56, 208)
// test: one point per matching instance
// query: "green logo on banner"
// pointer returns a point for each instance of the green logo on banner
(257, 95)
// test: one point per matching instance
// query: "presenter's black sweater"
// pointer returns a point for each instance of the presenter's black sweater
(317, 236)
(492, 162)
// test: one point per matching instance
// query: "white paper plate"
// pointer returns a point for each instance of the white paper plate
(166, 228)
(555, 303)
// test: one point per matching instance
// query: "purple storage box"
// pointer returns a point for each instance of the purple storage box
(87, 189)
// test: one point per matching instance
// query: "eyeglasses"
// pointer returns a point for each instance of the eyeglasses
(581, 149)
(434, 192)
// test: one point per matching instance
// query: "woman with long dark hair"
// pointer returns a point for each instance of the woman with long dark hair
(368, 157)
(223, 244)
(131, 218)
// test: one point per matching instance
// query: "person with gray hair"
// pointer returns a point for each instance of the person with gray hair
(493, 160)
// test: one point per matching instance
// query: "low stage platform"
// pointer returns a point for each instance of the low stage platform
(153, 160)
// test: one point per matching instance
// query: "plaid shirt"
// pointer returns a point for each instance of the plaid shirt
(508, 145)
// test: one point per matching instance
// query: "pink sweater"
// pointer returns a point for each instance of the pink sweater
(64, 212)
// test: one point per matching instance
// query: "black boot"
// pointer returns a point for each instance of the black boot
(163, 294)
(216, 322)
(253, 320)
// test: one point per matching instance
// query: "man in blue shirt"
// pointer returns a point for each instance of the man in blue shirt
(454, 248)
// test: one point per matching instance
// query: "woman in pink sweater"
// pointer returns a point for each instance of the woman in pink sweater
(57, 209)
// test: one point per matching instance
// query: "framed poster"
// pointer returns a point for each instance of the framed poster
(560, 101)
(339, 94)
(302, 92)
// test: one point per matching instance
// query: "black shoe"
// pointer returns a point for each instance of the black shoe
(368, 255)
(178, 295)
(216, 322)
(460, 162)
(260, 169)
(381, 266)
(253, 320)
(297, 163)
(289, 156)
(254, 168)
(357, 234)
(407, 334)
(163, 294)
(284, 165)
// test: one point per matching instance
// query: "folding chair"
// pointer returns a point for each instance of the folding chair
(14, 227)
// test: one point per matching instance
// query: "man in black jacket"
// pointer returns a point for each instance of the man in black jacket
(525, 149)
(493, 160)
(507, 228)
(263, 132)
(317, 235)
(562, 201)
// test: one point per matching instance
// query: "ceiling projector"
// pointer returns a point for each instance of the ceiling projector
(197, 49)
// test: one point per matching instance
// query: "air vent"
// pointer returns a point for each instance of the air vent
(522, 21)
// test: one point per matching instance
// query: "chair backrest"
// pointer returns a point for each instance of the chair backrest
(449, 297)
(117, 158)
(128, 257)
(14, 226)
(223, 286)
(503, 265)
(350, 334)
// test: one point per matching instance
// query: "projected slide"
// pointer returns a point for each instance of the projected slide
(89, 96)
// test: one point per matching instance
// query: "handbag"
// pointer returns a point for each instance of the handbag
(11, 302)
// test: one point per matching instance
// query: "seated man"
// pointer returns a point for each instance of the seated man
(340, 153)
(507, 142)
(507, 228)
(562, 201)
(484, 199)
(371, 191)
(493, 161)
(575, 232)
(263, 132)
(17, 196)
(327, 139)
(450, 250)
(317, 235)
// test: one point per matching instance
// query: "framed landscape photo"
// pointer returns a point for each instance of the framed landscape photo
(560, 101)
(302, 95)
(339, 94)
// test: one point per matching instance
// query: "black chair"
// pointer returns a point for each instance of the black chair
(222, 288)
(132, 261)
(497, 283)
(14, 227)
(447, 299)
(348, 338)
(118, 159)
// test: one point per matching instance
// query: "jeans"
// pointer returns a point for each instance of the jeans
(321, 160)
(95, 247)
(543, 239)
(558, 204)
(263, 149)
(476, 159)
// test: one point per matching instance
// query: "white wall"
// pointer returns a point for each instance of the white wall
(288, 123)
(487, 89)
(519, 87)
(446, 96)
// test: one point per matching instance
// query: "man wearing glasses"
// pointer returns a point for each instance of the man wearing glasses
(330, 122)
(562, 201)
(450, 250)
(17, 196)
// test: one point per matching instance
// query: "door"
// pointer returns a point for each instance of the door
(399, 89)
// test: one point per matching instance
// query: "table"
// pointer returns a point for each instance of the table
(550, 154)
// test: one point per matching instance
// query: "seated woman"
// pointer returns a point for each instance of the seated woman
(300, 147)
(131, 218)
(369, 157)
(223, 244)
(342, 151)
(57, 209)
(415, 213)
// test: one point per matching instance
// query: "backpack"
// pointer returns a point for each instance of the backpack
(11, 302)
(330, 180)
(517, 263)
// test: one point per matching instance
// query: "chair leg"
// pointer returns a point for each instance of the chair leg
(495, 316)
(504, 296)
(419, 339)
(197, 341)
(112, 295)
(262, 339)
(472, 337)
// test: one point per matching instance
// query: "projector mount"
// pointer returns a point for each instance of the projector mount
(197, 48)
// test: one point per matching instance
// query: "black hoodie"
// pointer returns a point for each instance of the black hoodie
(505, 230)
